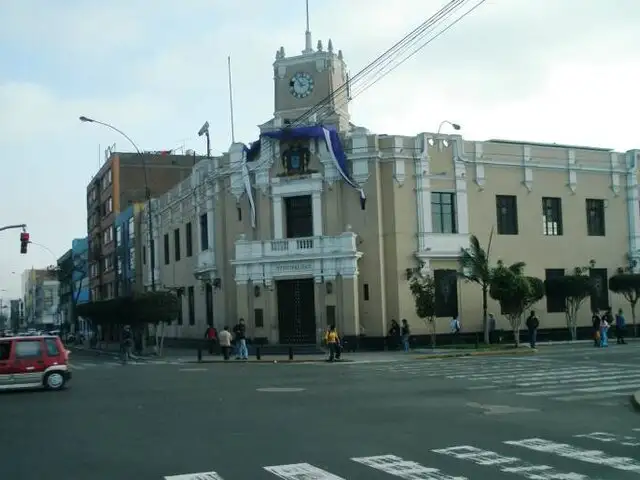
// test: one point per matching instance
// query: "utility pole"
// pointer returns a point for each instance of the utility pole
(23, 226)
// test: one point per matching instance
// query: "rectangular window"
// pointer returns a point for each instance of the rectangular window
(595, 217)
(443, 212)
(446, 293)
(551, 216)
(180, 295)
(132, 227)
(176, 244)
(600, 295)
(507, 214)
(28, 349)
(52, 347)
(132, 260)
(191, 300)
(299, 216)
(144, 254)
(204, 232)
(166, 249)
(555, 303)
(258, 317)
(119, 235)
(189, 239)
(365, 291)
(208, 298)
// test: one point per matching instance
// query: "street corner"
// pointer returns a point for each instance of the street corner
(477, 353)
(635, 401)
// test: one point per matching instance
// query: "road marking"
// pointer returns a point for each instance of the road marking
(500, 409)
(591, 379)
(607, 388)
(398, 467)
(483, 387)
(192, 370)
(605, 437)
(592, 396)
(280, 390)
(526, 372)
(196, 476)
(300, 471)
(508, 464)
(596, 457)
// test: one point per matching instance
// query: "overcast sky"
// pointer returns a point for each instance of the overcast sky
(563, 71)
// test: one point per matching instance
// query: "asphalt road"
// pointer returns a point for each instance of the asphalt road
(352, 421)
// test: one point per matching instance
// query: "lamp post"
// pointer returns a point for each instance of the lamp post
(455, 126)
(152, 260)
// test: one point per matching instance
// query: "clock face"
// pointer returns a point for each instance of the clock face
(301, 85)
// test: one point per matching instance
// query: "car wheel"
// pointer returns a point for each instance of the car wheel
(54, 381)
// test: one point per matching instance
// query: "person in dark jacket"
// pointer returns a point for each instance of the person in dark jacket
(241, 340)
(595, 323)
(621, 325)
(532, 325)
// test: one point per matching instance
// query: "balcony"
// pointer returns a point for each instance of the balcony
(441, 245)
(325, 256)
(205, 264)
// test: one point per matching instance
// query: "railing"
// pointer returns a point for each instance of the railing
(302, 247)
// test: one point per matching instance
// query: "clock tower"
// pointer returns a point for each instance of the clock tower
(316, 76)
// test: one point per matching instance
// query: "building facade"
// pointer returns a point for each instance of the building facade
(40, 293)
(16, 316)
(128, 272)
(322, 222)
(122, 181)
(73, 276)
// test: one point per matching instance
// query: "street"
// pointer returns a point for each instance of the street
(446, 419)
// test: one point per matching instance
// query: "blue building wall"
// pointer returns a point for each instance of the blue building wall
(80, 253)
(124, 227)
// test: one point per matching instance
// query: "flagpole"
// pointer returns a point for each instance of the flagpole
(233, 133)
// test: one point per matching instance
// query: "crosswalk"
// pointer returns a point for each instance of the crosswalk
(114, 363)
(590, 456)
(527, 377)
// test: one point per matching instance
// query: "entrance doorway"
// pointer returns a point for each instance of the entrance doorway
(296, 311)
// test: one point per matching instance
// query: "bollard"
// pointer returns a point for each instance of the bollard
(257, 353)
(290, 353)
(199, 353)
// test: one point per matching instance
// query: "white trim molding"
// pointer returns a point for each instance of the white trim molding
(615, 176)
(478, 158)
(423, 188)
(572, 171)
(282, 187)
(527, 180)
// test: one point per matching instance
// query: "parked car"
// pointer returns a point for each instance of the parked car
(33, 362)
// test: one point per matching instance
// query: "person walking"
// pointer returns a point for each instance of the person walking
(241, 340)
(532, 325)
(621, 325)
(595, 323)
(127, 344)
(333, 342)
(406, 335)
(224, 337)
(604, 329)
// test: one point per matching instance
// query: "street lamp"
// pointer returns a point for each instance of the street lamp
(204, 130)
(152, 260)
(455, 126)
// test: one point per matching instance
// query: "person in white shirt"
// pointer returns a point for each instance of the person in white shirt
(224, 337)
(455, 329)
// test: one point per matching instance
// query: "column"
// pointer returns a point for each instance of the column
(210, 228)
(243, 301)
(350, 314)
(316, 206)
(277, 218)
(423, 188)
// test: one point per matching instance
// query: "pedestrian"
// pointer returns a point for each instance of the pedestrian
(604, 328)
(225, 342)
(240, 333)
(595, 322)
(332, 340)
(394, 335)
(532, 325)
(455, 329)
(127, 343)
(211, 336)
(491, 326)
(621, 325)
(406, 335)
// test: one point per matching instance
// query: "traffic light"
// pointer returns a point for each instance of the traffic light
(24, 241)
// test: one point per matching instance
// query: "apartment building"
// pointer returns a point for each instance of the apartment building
(73, 275)
(128, 255)
(41, 299)
(122, 181)
(323, 222)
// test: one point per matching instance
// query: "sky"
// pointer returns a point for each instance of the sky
(564, 71)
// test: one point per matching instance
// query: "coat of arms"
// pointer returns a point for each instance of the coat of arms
(295, 160)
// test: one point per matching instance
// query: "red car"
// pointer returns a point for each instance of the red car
(33, 362)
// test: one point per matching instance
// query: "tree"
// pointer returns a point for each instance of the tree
(423, 289)
(627, 284)
(574, 289)
(474, 267)
(515, 292)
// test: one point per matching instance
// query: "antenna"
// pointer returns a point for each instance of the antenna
(307, 34)
(233, 133)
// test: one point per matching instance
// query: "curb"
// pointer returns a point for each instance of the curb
(490, 353)
(635, 400)
(249, 362)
